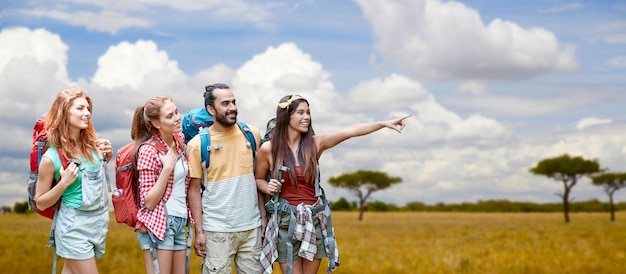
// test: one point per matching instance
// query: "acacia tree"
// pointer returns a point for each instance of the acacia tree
(568, 170)
(611, 182)
(363, 183)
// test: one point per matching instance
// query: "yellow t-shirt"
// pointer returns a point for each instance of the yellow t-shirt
(229, 200)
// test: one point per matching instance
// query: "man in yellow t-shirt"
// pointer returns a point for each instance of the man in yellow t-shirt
(227, 212)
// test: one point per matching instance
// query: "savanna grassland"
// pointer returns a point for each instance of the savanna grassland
(391, 243)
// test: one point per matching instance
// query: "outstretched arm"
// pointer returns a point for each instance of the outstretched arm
(325, 141)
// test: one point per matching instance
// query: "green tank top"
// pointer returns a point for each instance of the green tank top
(72, 196)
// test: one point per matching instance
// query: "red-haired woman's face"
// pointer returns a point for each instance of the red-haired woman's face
(301, 117)
(78, 114)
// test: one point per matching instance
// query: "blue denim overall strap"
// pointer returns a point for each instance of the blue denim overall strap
(106, 173)
(94, 196)
(51, 242)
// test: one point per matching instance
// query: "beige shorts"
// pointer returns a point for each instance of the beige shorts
(244, 248)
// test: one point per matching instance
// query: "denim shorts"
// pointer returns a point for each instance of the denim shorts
(175, 236)
(81, 235)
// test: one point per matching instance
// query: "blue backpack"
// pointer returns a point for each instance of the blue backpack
(196, 120)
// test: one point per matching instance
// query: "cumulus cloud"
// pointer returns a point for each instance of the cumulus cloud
(591, 121)
(129, 64)
(32, 64)
(392, 93)
(441, 155)
(279, 71)
(436, 124)
(19, 43)
(447, 40)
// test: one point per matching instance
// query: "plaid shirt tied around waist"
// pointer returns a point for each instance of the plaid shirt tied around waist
(304, 232)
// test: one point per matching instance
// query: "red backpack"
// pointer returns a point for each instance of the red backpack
(39, 148)
(125, 197)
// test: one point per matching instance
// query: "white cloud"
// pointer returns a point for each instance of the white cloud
(19, 43)
(395, 92)
(32, 66)
(114, 16)
(119, 5)
(105, 20)
(280, 71)
(131, 65)
(591, 121)
(612, 32)
(615, 39)
(472, 88)
(436, 125)
(517, 106)
(564, 8)
(441, 155)
(616, 62)
(448, 40)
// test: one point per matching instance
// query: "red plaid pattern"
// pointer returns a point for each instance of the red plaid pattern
(149, 167)
(331, 268)
(269, 252)
(305, 232)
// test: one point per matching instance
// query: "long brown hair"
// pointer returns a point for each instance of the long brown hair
(142, 129)
(307, 153)
(58, 127)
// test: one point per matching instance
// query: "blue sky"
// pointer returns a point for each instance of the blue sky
(493, 87)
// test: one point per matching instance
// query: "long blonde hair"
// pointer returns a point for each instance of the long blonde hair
(58, 128)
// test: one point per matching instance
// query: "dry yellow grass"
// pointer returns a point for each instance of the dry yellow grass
(392, 243)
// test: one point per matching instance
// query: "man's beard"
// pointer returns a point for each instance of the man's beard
(224, 121)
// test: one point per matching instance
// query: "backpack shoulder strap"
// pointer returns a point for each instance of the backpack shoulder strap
(249, 136)
(156, 144)
(64, 161)
(318, 190)
(205, 143)
(205, 147)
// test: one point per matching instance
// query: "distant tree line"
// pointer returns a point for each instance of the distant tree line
(342, 204)
(481, 206)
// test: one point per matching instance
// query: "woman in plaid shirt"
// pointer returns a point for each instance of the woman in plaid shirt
(294, 151)
(163, 176)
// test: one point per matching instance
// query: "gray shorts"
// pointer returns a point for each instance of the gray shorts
(81, 235)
